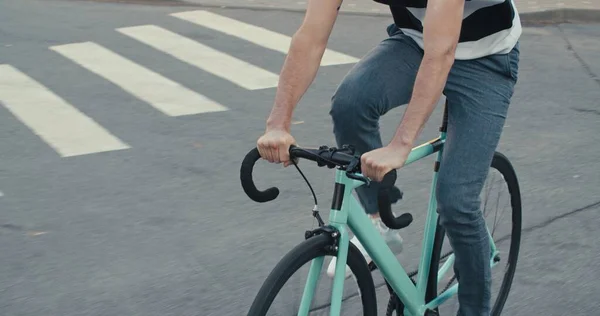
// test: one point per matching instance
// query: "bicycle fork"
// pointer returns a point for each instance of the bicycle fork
(340, 245)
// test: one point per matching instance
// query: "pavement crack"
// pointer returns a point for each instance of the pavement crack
(11, 227)
(584, 65)
(558, 217)
(580, 110)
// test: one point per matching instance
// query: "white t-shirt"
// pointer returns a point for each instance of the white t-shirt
(489, 26)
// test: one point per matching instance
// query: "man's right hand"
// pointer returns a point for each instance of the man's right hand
(274, 146)
(300, 68)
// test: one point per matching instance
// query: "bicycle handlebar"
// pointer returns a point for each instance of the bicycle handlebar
(323, 156)
(330, 157)
(248, 183)
(385, 205)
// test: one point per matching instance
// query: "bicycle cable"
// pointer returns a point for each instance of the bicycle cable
(315, 209)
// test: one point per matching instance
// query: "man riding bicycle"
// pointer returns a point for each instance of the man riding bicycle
(465, 49)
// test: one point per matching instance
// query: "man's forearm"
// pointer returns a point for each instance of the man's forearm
(440, 37)
(298, 72)
(427, 90)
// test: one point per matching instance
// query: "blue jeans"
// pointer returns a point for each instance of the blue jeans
(478, 93)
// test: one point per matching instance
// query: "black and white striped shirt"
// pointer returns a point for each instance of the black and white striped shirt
(488, 27)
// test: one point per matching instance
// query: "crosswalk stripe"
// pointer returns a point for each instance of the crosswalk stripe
(255, 34)
(55, 121)
(211, 60)
(162, 93)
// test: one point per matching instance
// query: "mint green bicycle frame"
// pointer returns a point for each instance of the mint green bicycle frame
(352, 214)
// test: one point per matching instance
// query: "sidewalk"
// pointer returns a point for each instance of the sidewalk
(531, 10)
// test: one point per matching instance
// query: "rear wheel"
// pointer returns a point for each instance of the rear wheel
(500, 203)
(359, 290)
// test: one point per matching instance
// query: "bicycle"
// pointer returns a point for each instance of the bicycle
(407, 295)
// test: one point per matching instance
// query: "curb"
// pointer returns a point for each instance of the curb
(545, 17)
(558, 16)
(551, 16)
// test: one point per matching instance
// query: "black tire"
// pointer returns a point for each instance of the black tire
(504, 167)
(303, 253)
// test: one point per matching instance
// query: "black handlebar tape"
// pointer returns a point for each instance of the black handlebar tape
(248, 183)
(385, 205)
(389, 179)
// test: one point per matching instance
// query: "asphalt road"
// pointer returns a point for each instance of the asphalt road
(163, 228)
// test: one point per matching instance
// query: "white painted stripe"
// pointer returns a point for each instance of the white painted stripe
(208, 59)
(255, 34)
(162, 93)
(58, 123)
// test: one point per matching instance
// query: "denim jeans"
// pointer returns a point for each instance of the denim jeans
(478, 93)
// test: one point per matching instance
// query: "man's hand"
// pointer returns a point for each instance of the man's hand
(377, 163)
(274, 146)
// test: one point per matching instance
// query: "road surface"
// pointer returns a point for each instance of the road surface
(123, 128)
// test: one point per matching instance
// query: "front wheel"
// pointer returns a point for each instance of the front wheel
(500, 203)
(357, 298)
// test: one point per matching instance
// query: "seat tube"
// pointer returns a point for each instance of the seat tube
(426, 276)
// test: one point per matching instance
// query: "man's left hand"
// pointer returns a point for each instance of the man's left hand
(377, 163)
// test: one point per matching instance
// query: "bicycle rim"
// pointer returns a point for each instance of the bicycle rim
(498, 206)
(357, 300)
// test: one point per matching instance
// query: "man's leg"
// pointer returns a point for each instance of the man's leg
(478, 93)
(382, 80)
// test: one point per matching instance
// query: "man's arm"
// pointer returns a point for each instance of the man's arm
(299, 70)
(443, 20)
(303, 59)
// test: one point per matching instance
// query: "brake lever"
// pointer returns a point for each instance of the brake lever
(352, 168)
